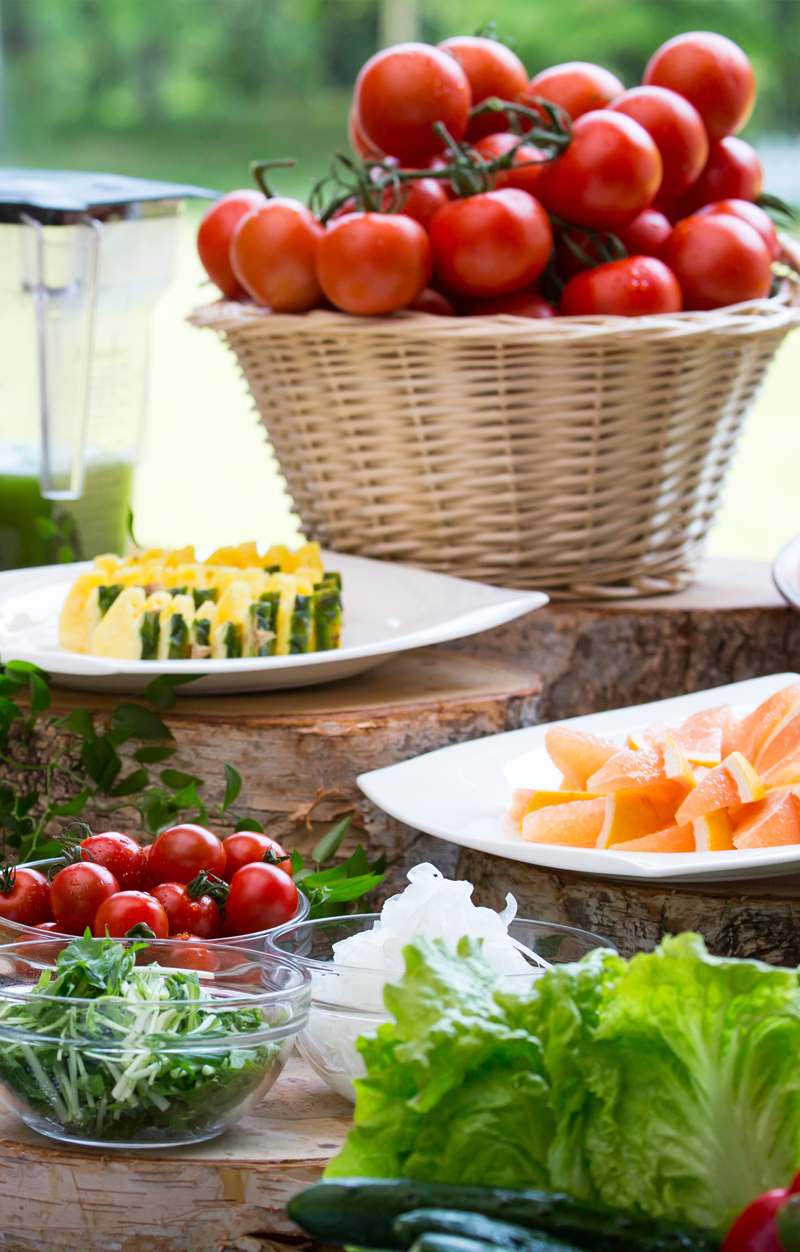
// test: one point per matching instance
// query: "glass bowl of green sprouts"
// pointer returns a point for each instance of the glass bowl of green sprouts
(142, 1044)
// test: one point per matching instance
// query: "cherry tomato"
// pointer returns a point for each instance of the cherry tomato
(76, 893)
(402, 91)
(676, 129)
(180, 853)
(751, 213)
(718, 260)
(272, 254)
(431, 301)
(633, 287)
(119, 853)
(24, 896)
(419, 199)
(577, 86)
(732, 172)
(568, 261)
(645, 234)
(214, 238)
(51, 926)
(146, 880)
(260, 898)
(492, 243)
(121, 912)
(713, 73)
(246, 846)
(520, 303)
(530, 158)
(492, 70)
(358, 140)
(199, 916)
(373, 263)
(607, 175)
(189, 952)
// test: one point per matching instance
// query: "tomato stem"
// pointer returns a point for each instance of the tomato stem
(259, 171)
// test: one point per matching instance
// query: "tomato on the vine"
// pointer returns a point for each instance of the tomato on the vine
(732, 172)
(676, 129)
(633, 287)
(608, 174)
(186, 910)
(402, 91)
(748, 212)
(261, 897)
(374, 263)
(76, 893)
(491, 243)
(520, 303)
(245, 846)
(272, 254)
(420, 198)
(121, 912)
(122, 855)
(531, 159)
(578, 87)
(713, 73)
(180, 853)
(645, 234)
(492, 70)
(24, 896)
(215, 234)
(189, 952)
(718, 260)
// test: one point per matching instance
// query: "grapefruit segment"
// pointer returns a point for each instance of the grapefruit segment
(775, 821)
(785, 745)
(784, 773)
(676, 764)
(754, 733)
(576, 754)
(520, 800)
(627, 769)
(713, 831)
(525, 802)
(734, 781)
(577, 823)
(673, 839)
(628, 815)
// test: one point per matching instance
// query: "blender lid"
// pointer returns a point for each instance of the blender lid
(57, 196)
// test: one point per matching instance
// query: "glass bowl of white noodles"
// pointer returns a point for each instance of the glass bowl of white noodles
(351, 959)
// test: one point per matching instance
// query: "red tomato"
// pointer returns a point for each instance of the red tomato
(76, 893)
(121, 912)
(260, 898)
(24, 896)
(733, 172)
(199, 915)
(119, 853)
(180, 853)
(712, 73)
(492, 243)
(755, 1229)
(645, 234)
(524, 179)
(214, 238)
(247, 846)
(577, 86)
(492, 70)
(419, 199)
(373, 263)
(751, 213)
(272, 254)
(677, 130)
(607, 175)
(146, 880)
(358, 140)
(568, 263)
(402, 91)
(633, 287)
(520, 303)
(718, 260)
(52, 926)
(190, 953)
(431, 301)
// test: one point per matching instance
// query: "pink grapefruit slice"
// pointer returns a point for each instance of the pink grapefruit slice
(775, 821)
(577, 754)
(734, 781)
(673, 839)
(576, 824)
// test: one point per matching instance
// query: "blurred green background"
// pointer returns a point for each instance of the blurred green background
(193, 90)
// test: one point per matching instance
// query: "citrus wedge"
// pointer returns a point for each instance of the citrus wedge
(524, 801)
(784, 744)
(775, 821)
(577, 823)
(673, 839)
(754, 733)
(734, 781)
(628, 815)
(520, 800)
(627, 769)
(576, 754)
(713, 831)
(785, 773)
(676, 763)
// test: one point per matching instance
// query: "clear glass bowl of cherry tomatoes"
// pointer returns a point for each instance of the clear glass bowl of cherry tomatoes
(188, 884)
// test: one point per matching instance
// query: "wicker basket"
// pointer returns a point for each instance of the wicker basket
(582, 456)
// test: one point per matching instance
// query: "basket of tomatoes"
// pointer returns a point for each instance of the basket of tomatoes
(516, 335)
(187, 885)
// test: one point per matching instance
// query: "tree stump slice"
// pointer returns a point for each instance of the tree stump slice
(227, 1195)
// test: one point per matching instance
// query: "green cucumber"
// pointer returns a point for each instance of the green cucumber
(179, 646)
(265, 617)
(432, 1241)
(327, 616)
(106, 596)
(474, 1227)
(362, 1212)
(301, 623)
(200, 597)
(151, 632)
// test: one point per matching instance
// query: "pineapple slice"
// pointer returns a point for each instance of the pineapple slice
(109, 562)
(180, 556)
(278, 555)
(309, 556)
(286, 584)
(119, 633)
(233, 606)
(175, 629)
(80, 614)
(206, 621)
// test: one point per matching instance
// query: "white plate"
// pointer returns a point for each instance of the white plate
(387, 609)
(462, 794)
(786, 572)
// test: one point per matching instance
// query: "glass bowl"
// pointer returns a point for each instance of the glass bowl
(15, 932)
(168, 1061)
(347, 1001)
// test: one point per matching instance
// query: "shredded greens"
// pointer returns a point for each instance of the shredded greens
(107, 1050)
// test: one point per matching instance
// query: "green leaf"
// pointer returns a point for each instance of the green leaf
(356, 864)
(26, 668)
(9, 711)
(247, 823)
(233, 785)
(26, 803)
(100, 761)
(349, 888)
(72, 807)
(40, 694)
(177, 780)
(155, 813)
(329, 844)
(41, 851)
(161, 691)
(151, 756)
(297, 862)
(188, 799)
(140, 931)
(139, 722)
(9, 686)
(7, 798)
(131, 784)
(79, 722)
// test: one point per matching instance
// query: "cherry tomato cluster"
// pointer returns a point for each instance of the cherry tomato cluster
(479, 190)
(188, 884)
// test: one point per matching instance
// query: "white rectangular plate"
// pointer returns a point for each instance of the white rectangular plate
(462, 793)
(387, 609)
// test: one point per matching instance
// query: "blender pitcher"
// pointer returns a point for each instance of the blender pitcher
(83, 260)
